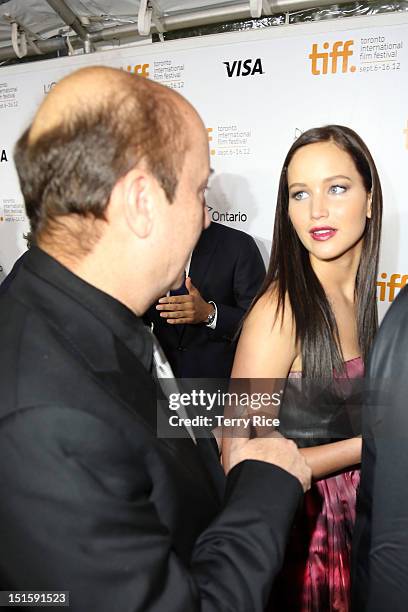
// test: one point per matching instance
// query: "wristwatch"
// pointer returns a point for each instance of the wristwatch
(210, 319)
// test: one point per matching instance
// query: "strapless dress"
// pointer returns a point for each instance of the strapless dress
(316, 572)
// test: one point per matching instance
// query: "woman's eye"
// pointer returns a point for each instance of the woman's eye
(299, 195)
(337, 189)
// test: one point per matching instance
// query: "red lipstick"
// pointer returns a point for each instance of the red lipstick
(322, 233)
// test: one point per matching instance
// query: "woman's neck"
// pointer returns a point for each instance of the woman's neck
(338, 276)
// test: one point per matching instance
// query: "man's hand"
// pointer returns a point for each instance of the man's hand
(274, 449)
(182, 309)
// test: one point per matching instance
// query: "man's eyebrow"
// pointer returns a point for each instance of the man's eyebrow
(211, 173)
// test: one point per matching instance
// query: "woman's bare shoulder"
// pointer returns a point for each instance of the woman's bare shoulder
(267, 345)
(270, 312)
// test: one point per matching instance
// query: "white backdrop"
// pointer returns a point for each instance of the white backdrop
(256, 91)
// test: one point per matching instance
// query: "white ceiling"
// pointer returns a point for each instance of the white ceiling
(42, 26)
(104, 19)
(42, 20)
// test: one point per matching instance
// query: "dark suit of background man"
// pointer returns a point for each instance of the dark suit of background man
(93, 502)
(380, 544)
(224, 276)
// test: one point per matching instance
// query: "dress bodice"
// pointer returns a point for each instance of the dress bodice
(314, 413)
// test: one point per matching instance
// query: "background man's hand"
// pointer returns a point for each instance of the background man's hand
(182, 309)
(274, 449)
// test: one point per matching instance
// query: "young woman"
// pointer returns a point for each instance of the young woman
(315, 319)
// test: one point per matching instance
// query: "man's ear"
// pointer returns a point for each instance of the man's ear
(138, 201)
(369, 202)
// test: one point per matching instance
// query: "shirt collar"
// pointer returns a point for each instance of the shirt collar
(123, 323)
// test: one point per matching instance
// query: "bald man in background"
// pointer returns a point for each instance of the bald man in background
(93, 502)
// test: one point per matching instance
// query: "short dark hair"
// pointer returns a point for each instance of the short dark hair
(291, 272)
(72, 168)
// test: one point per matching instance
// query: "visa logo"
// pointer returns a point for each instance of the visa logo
(248, 67)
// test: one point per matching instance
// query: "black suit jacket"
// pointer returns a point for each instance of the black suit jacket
(92, 501)
(380, 545)
(12, 274)
(227, 268)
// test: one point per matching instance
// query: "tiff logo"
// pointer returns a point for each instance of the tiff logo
(340, 50)
(248, 67)
(140, 69)
(210, 138)
(397, 281)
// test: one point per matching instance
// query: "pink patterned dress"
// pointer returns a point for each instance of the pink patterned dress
(316, 571)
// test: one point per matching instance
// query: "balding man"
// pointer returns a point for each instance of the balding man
(113, 171)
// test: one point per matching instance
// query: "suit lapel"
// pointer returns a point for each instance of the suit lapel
(140, 392)
(200, 262)
(202, 256)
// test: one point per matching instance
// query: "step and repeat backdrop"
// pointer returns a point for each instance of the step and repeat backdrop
(256, 92)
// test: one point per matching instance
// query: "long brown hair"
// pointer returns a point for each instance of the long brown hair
(290, 270)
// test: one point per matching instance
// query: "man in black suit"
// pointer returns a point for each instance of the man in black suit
(93, 502)
(197, 329)
(13, 272)
(380, 544)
